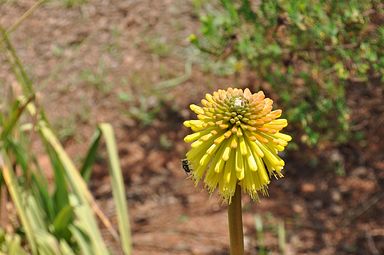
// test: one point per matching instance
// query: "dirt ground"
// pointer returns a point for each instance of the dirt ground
(116, 61)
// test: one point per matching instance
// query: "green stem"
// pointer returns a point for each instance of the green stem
(235, 223)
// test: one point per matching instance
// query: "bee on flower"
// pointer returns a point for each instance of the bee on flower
(236, 139)
(186, 166)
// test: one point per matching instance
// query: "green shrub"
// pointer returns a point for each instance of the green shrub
(307, 51)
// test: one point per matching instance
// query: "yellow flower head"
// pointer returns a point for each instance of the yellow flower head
(236, 139)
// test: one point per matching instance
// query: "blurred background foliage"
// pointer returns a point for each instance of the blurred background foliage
(306, 51)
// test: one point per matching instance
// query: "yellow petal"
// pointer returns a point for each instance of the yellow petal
(239, 161)
(197, 109)
(220, 139)
(268, 154)
(207, 137)
(227, 134)
(262, 172)
(205, 160)
(284, 137)
(240, 174)
(196, 144)
(234, 142)
(243, 147)
(212, 149)
(279, 122)
(192, 137)
(256, 149)
(226, 153)
(219, 166)
(209, 98)
(251, 162)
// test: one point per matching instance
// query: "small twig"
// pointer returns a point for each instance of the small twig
(371, 245)
(25, 16)
(3, 206)
(327, 48)
(104, 219)
(178, 80)
(363, 208)
(377, 232)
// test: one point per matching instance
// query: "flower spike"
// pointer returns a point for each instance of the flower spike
(236, 139)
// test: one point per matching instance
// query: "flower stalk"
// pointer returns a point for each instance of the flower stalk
(235, 224)
(235, 143)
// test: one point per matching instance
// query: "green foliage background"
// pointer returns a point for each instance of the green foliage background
(307, 50)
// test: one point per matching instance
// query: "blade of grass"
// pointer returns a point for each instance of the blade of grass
(14, 117)
(41, 193)
(15, 192)
(21, 156)
(3, 203)
(281, 237)
(118, 188)
(62, 220)
(82, 240)
(60, 194)
(18, 69)
(85, 170)
(35, 214)
(260, 234)
(47, 244)
(66, 249)
(14, 246)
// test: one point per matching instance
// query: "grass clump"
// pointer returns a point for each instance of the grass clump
(58, 216)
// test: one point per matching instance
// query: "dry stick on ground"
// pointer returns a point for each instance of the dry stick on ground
(25, 16)
(357, 212)
(371, 244)
(3, 207)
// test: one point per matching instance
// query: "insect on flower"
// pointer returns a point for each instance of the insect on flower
(186, 166)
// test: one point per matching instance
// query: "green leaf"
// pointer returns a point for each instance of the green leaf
(39, 189)
(118, 188)
(16, 194)
(60, 195)
(63, 220)
(17, 109)
(230, 7)
(82, 240)
(85, 170)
